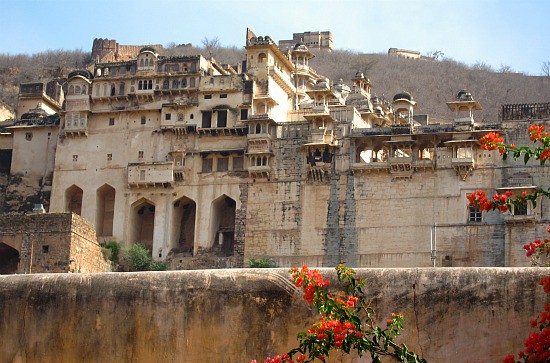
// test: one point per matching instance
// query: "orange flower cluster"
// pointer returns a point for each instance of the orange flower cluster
(310, 280)
(537, 133)
(491, 141)
(538, 246)
(393, 318)
(284, 358)
(328, 329)
(479, 199)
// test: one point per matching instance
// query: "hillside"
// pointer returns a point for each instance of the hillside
(432, 83)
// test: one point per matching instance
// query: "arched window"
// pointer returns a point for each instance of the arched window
(113, 90)
(141, 62)
(258, 128)
(84, 90)
(264, 160)
(71, 90)
(183, 83)
(167, 68)
(165, 84)
(121, 89)
(262, 58)
(150, 84)
(175, 83)
(140, 85)
(192, 82)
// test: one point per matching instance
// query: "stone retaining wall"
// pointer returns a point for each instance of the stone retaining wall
(452, 314)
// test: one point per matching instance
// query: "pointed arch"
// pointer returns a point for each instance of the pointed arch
(183, 225)
(142, 223)
(9, 259)
(73, 199)
(222, 224)
(105, 210)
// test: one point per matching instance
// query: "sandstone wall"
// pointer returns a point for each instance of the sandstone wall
(52, 242)
(453, 315)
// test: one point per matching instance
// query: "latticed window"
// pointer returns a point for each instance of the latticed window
(521, 209)
(206, 165)
(223, 164)
(474, 214)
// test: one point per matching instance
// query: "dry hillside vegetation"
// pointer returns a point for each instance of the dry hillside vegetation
(432, 83)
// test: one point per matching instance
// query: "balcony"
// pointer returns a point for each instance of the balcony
(151, 175)
(260, 171)
(321, 136)
(259, 145)
(76, 127)
(463, 166)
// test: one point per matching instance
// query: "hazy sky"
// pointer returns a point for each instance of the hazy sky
(515, 33)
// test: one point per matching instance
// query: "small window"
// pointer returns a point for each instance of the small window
(474, 214)
(111, 121)
(244, 113)
(223, 95)
(75, 158)
(142, 175)
(180, 117)
(521, 209)
(222, 164)
(143, 120)
(206, 119)
(109, 157)
(183, 83)
(168, 116)
(45, 249)
(28, 136)
(222, 118)
(207, 97)
(238, 163)
(206, 165)
(140, 154)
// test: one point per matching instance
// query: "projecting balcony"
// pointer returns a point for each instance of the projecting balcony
(260, 171)
(151, 175)
(76, 128)
(259, 146)
(401, 167)
(463, 165)
(321, 136)
(302, 69)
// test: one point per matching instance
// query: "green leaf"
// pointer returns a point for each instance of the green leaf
(526, 157)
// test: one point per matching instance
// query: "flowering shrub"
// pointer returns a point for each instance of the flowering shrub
(346, 322)
(537, 345)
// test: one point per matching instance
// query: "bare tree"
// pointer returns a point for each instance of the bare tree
(436, 55)
(546, 69)
(482, 66)
(211, 45)
(505, 69)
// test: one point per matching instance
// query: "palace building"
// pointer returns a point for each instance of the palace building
(210, 166)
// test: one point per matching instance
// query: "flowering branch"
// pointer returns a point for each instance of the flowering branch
(537, 345)
(346, 322)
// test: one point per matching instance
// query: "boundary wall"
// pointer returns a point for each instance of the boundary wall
(452, 314)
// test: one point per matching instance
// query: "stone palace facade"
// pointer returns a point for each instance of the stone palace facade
(210, 165)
